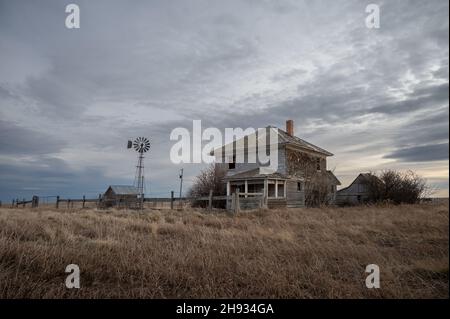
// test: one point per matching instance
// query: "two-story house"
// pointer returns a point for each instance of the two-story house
(299, 179)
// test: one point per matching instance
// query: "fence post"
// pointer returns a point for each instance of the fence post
(266, 194)
(171, 200)
(35, 201)
(57, 201)
(236, 202)
(84, 200)
(210, 200)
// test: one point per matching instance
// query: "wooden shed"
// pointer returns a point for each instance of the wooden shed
(357, 192)
(120, 195)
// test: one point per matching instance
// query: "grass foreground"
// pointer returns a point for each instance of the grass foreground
(289, 253)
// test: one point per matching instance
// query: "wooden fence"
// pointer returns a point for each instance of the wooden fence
(235, 202)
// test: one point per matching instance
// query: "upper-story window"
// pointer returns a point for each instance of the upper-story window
(232, 164)
(318, 164)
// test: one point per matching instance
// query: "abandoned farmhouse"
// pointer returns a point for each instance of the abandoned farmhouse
(301, 177)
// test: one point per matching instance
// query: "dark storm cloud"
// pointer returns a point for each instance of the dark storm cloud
(441, 73)
(436, 152)
(17, 140)
(420, 99)
(50, 176)
(5, 94)
(76, 96)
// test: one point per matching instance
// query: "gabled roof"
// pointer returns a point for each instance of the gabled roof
(363, 178)
(333, 178)
(294, 141)
(124, 190)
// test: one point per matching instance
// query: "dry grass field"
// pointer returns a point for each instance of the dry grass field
(294, 253)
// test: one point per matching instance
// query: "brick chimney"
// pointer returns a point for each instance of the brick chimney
(290, 127)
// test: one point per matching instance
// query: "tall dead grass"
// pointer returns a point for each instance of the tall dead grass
(293, 253)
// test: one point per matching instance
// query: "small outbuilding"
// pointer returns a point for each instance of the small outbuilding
(357, 192)
(120, 195)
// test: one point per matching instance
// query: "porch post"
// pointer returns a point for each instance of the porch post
(266, 191)
(228, 188)
(276, 188)
(285, 189)
(246, 188)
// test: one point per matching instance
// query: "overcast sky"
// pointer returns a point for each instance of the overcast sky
(70, 98)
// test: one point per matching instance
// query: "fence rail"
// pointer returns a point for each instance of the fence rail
(234, 202)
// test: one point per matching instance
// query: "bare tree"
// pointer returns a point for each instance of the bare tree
(317, 190)
(211, 178)
(397, 187)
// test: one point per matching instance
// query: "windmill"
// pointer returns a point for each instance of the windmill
(141, 145)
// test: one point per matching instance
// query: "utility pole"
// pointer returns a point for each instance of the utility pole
(181, 182)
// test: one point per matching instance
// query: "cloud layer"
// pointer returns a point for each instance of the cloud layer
(69, 99)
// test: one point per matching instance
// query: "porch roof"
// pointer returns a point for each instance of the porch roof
(254, 174)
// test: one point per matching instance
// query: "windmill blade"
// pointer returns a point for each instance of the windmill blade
(141, 144)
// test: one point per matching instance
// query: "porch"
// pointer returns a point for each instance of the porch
(267, 187)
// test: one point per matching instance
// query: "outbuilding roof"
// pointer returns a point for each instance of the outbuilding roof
(124, 190)
(362, 178)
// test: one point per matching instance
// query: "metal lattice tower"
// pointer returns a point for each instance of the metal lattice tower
(141, 145)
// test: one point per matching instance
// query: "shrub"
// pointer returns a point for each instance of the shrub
(210, 178)
(397, 187)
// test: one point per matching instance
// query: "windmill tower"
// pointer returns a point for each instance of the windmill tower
(141, 145)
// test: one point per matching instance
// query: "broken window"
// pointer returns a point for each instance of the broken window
(232, 164)
(318, 164)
